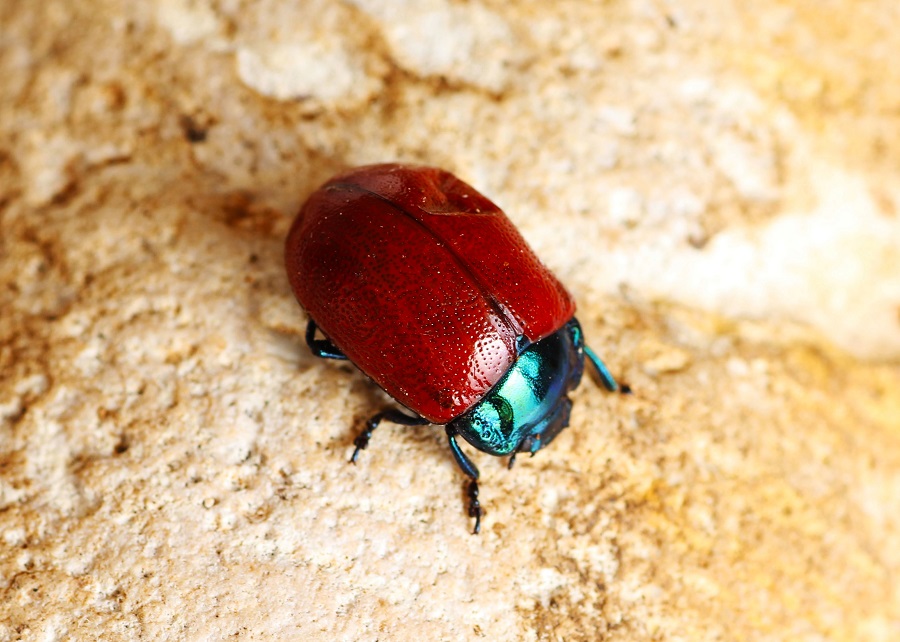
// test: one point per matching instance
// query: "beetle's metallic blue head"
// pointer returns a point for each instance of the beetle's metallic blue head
(529, 406)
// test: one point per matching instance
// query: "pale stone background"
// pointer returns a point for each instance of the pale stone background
(717, 183)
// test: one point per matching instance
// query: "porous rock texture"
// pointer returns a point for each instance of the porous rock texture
(716, 182)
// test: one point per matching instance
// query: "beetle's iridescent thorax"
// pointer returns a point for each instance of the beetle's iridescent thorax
(529, 406)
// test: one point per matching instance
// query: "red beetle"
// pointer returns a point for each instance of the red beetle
(428, 288)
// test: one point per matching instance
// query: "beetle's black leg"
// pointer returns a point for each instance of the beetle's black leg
(606, 377)
(394, 416)
(474, 506)
(323, 348)
(471, 471)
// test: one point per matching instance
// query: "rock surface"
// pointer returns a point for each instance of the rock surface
(717, 184)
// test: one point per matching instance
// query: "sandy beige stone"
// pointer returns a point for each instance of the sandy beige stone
(716, 182)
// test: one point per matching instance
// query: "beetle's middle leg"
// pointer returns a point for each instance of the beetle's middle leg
(322, 348)
(394, 416)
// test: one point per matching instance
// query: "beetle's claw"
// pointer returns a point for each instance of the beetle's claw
(512, 461)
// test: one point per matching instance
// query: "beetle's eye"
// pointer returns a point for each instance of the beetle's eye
(495, 418)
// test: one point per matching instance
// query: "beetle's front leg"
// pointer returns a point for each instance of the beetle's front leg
(471, 471)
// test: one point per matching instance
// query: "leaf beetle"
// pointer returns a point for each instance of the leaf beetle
(427, 287)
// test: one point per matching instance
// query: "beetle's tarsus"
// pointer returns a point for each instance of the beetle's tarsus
(474, 506)
(512, 461)
(361, 441)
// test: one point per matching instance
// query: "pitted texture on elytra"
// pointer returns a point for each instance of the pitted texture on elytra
(422, 282)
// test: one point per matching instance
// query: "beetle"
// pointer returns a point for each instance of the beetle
(427, 287)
